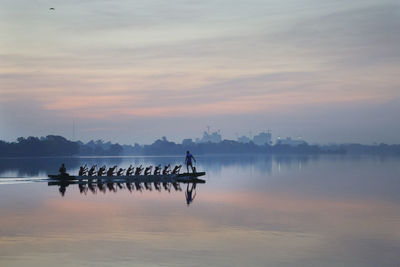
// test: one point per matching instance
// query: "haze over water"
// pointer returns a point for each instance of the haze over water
(254, 210)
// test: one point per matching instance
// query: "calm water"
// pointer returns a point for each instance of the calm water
(253, 211)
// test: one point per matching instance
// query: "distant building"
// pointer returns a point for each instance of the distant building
(187, 142)
(244, 139)
(214, 137)
(291, 142)
(262, 138)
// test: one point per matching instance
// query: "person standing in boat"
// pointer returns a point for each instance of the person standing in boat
(188, 161)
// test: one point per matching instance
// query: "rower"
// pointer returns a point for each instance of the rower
(147, 171)
(63, 170)
(111, 170)
(120, 171)
(92, 170)
(157, 170)
(139, 170)
(101, 171)
(177, 169)
(82, 170)
(129, 171)
(167, 169)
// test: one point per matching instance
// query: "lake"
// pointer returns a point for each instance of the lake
(254, 210)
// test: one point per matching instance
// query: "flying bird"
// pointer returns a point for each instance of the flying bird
(52, 8)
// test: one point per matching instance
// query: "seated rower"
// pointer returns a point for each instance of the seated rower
(167, 169)
(101, 171)
(139, 170)
(63, 170)
(120, 172)
(157, 170)
(177, 169)
(83, 170)
(147, 171)
(129, 171)
(92, 170)
(111, 170)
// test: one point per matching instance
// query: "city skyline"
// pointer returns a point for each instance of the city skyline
(136, 71)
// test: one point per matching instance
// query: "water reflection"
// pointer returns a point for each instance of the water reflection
(254, 211)
(190, 194)
(98, 186)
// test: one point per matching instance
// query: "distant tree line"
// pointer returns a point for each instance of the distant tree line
(53, 145)
(50, 145)
(366, 149)
(165, 147)
(99, 148)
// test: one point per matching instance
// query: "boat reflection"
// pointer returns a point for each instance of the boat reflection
(98, 186)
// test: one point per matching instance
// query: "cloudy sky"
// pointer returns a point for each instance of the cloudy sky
(132, 71)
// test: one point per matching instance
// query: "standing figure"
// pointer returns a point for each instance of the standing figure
(188, 161)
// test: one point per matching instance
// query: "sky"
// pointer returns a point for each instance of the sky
(133, 71)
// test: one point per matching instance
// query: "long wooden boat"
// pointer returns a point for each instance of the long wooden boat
(162, 178)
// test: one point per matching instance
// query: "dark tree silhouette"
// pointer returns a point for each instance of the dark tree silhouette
(53, 145)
